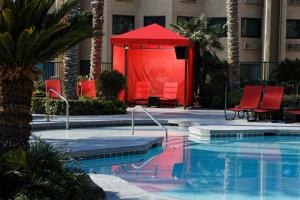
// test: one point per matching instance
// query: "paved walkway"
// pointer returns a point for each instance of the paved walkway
(171, 115)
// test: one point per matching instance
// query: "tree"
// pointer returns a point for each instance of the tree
(71, 62)
(97, 10)
(206, 39)
(233, 43)
(30, 35)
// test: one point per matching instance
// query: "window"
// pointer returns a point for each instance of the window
(161, 20)
(293, 28)
(122, 24)
(251, 27)
(84, 67)
(181, 19)
(221, 22)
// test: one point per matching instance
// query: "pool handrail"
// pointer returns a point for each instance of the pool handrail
(67, 107)
(149, 115)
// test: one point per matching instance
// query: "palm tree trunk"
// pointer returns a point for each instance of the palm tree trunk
(16, 87)
(96, 52)
(233, 43)
(71, 63)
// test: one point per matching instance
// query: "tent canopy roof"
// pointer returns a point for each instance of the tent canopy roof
(150, 35)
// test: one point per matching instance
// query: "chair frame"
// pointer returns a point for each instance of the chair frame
(264, 110)
(243, 109)
(170, 101)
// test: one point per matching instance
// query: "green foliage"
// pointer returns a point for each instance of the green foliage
(291, 101)
(81, 78)
(287, 71)
(29, 34)
(197, 30)
(215, 77)
(83, 106)
(109, 84)
(40, 173)
(39, 88)
(206, 41)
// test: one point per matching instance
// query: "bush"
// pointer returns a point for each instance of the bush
(39, 87)
(213, 90)
(41, 173)
(110, 84)
(83, 106)
(292, 101)
(287, 71)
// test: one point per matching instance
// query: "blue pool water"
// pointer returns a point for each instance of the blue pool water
(255, 168)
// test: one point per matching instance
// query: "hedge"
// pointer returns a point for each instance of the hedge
(78, 107)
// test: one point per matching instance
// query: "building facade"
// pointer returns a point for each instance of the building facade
(269, 29)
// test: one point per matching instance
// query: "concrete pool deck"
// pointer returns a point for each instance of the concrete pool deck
(110, 137)
(167, 116)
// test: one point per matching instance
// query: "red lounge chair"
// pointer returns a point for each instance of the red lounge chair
(271, 101)
(291, 115)
(250, 100)
(88, 88)
(141, 93)
(54, 85)
(169, 94)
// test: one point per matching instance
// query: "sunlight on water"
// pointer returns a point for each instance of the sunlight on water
(254, 168)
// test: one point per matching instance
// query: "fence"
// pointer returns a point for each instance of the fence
(257, 71)
(51, 70)
(106, 67)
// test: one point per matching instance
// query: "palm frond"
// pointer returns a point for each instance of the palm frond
(29, 33)
(60, 13)
(197, 30)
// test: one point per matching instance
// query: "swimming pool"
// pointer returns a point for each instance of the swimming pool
(251, 168)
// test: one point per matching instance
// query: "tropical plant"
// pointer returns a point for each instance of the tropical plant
(29, 34)
(288, 70)
(233, 43)
(71, 62)
(215, 82)
(44, 172)
(97, 10)
(206, 40)
(110, 84)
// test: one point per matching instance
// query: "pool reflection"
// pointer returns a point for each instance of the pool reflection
(256, 168)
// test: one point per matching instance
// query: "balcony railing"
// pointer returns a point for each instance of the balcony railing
(51, 70)
(257, 71)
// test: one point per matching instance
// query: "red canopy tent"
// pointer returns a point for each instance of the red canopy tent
(148, 54)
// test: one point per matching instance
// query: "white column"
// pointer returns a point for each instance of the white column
(267, 30)
(282, 33)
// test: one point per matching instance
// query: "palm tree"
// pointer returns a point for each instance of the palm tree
(30, 35)
(71, 62)
(233, 43)
(97, 10)
(206, 39)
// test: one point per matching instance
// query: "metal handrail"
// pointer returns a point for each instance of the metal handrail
(149, 115)
(67, 107)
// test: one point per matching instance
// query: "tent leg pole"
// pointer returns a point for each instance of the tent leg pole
(185, 74)
(126, 73)
(112, 57)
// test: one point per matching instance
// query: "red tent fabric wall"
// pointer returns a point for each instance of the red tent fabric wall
(154, 60)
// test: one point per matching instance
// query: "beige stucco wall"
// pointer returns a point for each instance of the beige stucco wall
(293, 12)
(173, 8)
(249, 11)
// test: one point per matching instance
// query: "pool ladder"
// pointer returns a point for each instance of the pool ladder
(149, 115)
(67, 107)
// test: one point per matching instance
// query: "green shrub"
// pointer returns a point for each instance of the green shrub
(83, 106)
(291, 101)
(213, 89)
(109, 84)
(39, 87)
(287, 71)
(38, 105)
(41, 173)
